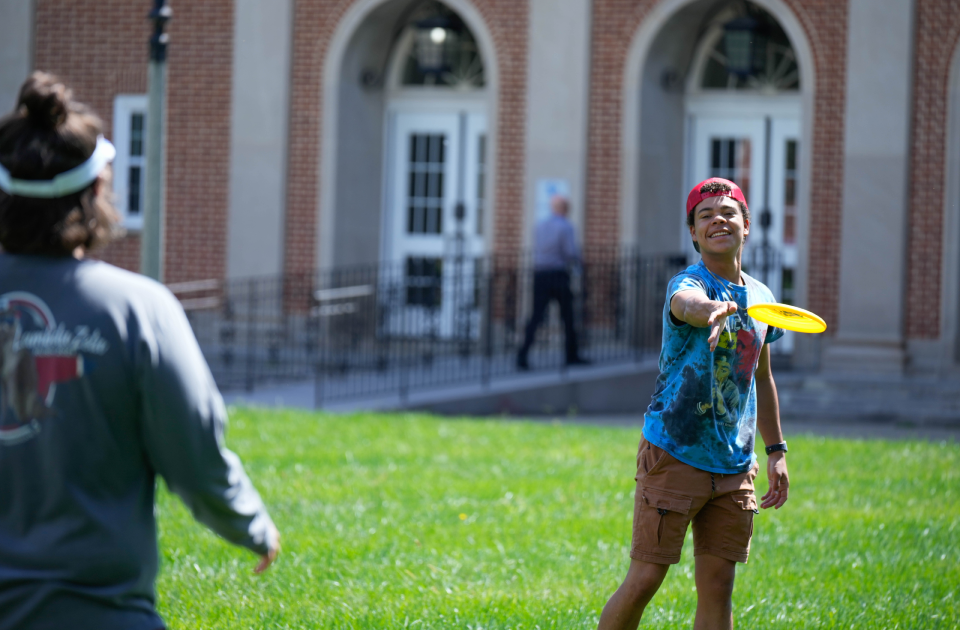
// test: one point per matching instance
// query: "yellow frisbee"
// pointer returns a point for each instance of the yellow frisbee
(787, 317)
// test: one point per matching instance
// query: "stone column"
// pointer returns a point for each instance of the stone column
(870, 335)
(557, 102)
(258, 136)
(16, 50)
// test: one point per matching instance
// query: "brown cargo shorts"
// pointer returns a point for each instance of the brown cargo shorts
(671, 493)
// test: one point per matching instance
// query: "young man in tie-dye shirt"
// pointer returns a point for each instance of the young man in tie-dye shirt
(696, 460)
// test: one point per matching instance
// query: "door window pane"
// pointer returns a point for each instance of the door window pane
(481, 179)
(730, 159)
(136, 161)
(425, 193)
(136, 135)
(424, 281)
(133, 191)
(786, 287)
(790, 194)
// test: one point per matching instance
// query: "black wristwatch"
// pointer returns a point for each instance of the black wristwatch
(773, 448)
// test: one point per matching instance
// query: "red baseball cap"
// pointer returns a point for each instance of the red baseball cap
(696, 196)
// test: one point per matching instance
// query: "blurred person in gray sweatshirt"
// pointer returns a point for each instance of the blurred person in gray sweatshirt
(102, 388)
(555, 251)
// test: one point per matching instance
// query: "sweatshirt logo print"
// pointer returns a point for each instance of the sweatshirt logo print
(35, 355)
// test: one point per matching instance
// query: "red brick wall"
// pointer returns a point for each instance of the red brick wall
(314, 24)
(99, 48)
(198, 139)
(937, 34)
(98, 58)
(825, 22)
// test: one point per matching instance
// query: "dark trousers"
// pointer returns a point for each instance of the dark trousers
(549, 286)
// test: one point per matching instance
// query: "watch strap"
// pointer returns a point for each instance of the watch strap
(773, 448)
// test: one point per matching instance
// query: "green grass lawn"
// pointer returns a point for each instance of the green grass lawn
(417, 522)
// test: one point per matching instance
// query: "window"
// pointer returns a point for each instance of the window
(730, 159)
(425, 196)
(790, 194)
(481, 179)
(773, 65)
(129, 167)
(445, 55)
(787, 292)
(424, 281)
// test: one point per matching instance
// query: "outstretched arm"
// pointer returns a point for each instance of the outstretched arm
(183, 422)
(768, 424)
(695, 308)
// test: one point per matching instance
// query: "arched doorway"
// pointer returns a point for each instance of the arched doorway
(408, 129)
(435, 215)
(365, 81)
(694, 109)
(409, 123)
(743, 123)
(436, 141)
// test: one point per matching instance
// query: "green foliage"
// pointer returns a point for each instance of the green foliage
(415, 522)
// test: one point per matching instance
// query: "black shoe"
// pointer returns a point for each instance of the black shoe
(522, 364)
(579, 361)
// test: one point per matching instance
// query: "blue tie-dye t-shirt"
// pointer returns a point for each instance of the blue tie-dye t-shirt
(704, 409)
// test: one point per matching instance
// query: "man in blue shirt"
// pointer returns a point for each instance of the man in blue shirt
(554, 252)
(696, 461)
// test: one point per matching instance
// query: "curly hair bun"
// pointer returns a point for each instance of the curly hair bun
(45, 100)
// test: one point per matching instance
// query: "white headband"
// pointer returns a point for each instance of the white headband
(65, 183)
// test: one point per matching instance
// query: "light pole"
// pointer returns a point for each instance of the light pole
(151, 238)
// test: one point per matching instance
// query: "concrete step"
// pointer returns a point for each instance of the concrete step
(909, 399)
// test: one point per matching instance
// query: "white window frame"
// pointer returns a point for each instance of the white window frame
(124, 107)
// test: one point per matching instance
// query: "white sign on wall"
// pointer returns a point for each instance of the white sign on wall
(547, 188)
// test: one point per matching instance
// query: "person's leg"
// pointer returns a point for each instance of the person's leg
(541, 298)
(565, 298)
(714, 578)
(664, 502)
(721, 538)
(625, 608)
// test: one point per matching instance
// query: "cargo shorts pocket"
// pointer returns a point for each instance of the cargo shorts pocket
(660, 524)
(747, 501)
(649, 457)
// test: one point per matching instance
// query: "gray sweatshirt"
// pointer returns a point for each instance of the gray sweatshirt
(102, 387)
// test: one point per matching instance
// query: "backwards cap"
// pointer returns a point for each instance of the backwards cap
(696, 195)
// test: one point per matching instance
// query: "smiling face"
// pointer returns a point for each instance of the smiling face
(719, 226)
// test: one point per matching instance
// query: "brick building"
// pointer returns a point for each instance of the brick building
(326, 133)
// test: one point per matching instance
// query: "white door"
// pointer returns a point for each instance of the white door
(434, 220)
(761, 155)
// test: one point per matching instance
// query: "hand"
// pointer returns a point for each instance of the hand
(718, 320)
(267, 559)
(776, 496)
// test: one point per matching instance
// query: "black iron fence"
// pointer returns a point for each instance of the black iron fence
(387, 329)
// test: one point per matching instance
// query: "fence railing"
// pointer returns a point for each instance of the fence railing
(390, 328)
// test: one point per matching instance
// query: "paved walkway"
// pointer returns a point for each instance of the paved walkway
(803, 404)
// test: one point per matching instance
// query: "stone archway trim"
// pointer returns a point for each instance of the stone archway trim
(934, 194)
(943, 351)
(951, 235)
